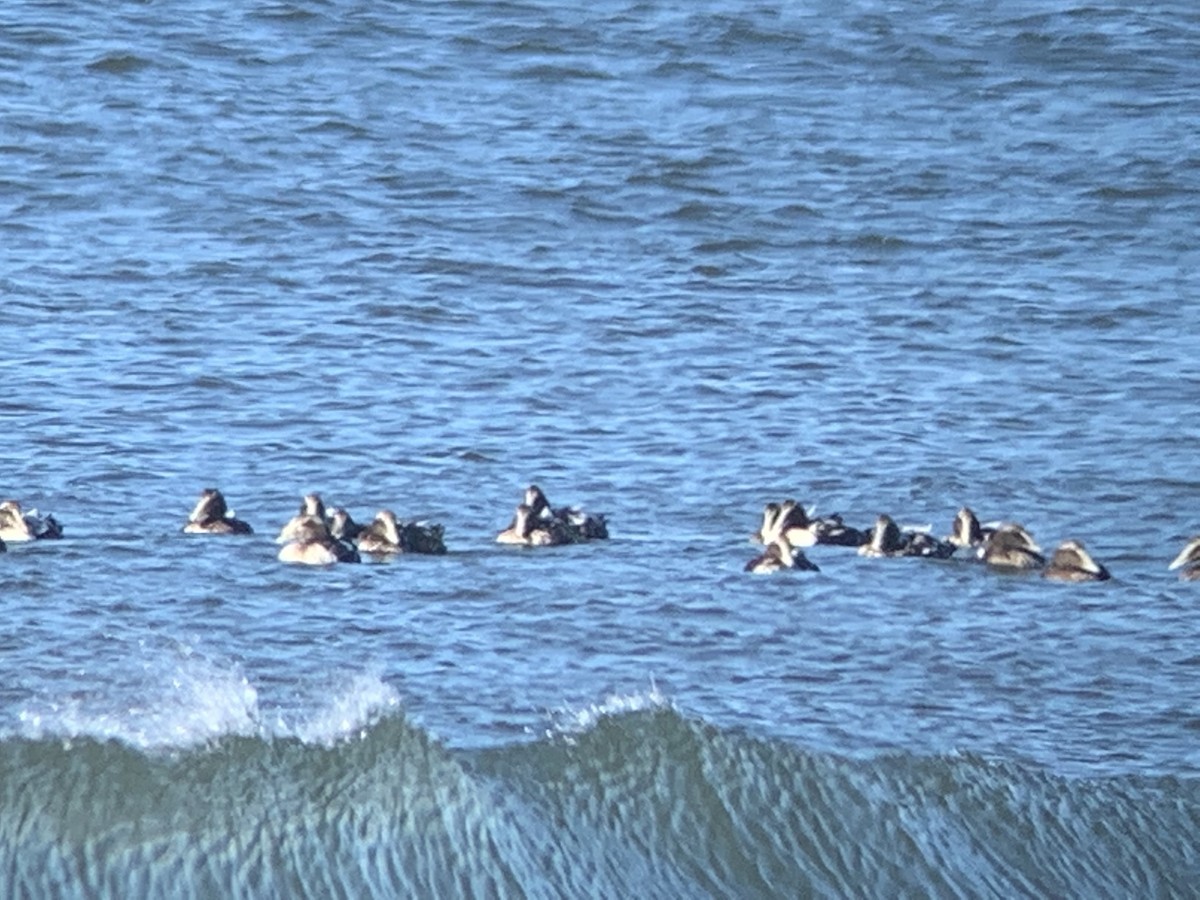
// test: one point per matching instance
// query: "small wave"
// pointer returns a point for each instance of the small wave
(554, 73)
(1136, 192)
(872, 240)
(118, 64)
(728, 245)
(569, 721)
(693, 211)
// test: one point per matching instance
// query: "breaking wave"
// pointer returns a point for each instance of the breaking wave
(632, 799)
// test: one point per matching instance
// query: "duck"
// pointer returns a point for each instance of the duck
(780, 554)
(311, 507)
(382, 535)
(342, 526)
(769, 524)
(966, 530)
(530, 531)
(832, 530)
(387, 535)
(1071, 562)
(17, 524)
(584, 526)
(920, 543)
(804, 530)
(211, 515)
(310, 543)
(885, 540)
(1189, 559)
(1011, 547)
(792, 519)
(423, 537)
(888, 540)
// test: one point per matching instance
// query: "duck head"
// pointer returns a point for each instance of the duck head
(1189, 554)
(966, 531)
(536, 500)
(312, 505)
(341, 526)
(885, 536)
(1073, 560)
(209, 508)
(386, 526)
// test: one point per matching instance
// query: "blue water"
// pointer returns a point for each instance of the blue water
(671, 262)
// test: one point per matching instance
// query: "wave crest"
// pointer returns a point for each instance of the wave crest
(191, 701)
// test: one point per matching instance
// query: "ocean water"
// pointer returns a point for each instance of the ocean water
(670, 261)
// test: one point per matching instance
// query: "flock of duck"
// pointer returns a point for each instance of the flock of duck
(320, 537)
(317, 536)
(787, 527)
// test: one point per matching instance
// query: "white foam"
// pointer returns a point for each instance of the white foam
(567, 721)
(195, 704)
(349, 712)
(188, 701)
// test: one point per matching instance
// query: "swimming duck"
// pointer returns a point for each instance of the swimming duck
(423, 537)
(387, 535)
(888, 540)
(1189, 558)
(583, 526)
(820, 529)
(382, 535)
(966, 530)
(802, 530)
(530, 531)
(211, 516)
(793, 522)
(780, 554)
(342, 526)
(1071, 562)
(310, 543)
(920, 543)
(18, 525)
(832, 530)
(311, 507)
(1011, 547)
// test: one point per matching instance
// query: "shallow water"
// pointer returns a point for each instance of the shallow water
(670, 262)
